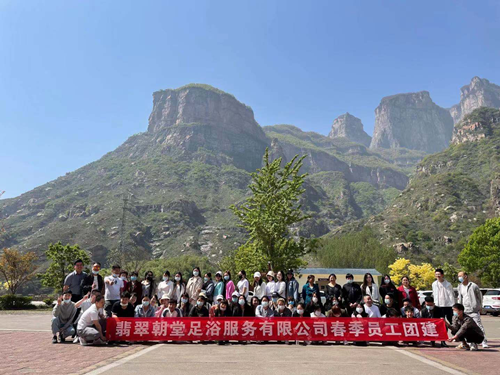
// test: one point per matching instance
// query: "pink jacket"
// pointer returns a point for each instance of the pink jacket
(229, 289)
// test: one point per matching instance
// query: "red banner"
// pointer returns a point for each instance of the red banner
(275, 329)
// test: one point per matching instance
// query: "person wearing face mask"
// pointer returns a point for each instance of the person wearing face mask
(243, 285)
(271, 284)
(464, 329)
(164, 301)
(219, 286)
(185, 306)
(63, 314)
(228, 285)
(389, 309)
(208, 287)
(317, 313)
(309, 288)
(113, 288)
(259, 286)
(148, 285)
(243, 308)
(166, 286)
(194, 285)
(471, 297)
(123, 308)
(199, 310)
(301, 311)
(431, 311)
(315, 304)
(93, 281)
(336, 311)
(135, 288)
(281, 311)
(233, 302)
(280, 287)
(124, 278)
(223, 310)
(291, 304)
(179, 288)
(333, 291)
(359, 311)
(145, 310)
(351, 293)
(389, 287)
(273, 302)
(264, 310)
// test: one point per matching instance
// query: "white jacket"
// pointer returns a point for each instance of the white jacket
(443, 294)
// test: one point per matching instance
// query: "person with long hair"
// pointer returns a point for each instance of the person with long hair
(370, 288)
(314, 304)
(219, 286)
(194, 285)
(259, 286)
(389, 287)
(243, 285)
(165, 286)
(148, 285)
(406, 291)
(280, 287)
(254, 302)
(243, 308)
(309, 288)
(185, 306)
(263, 310)
(135, 288)
(179, 288)
(229, 285)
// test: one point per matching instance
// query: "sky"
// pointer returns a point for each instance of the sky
(77, 77)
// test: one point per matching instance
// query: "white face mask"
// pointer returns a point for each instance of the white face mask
(315, 300)
(195, 273)
(165, 278)
(359, 310)
(281, 307)
(318, 313)
(387, 281)
(300, 311)
(177, 278)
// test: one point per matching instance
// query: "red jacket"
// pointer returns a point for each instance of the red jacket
(413, 296)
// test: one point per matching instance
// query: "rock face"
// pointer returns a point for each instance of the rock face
(200, 116)
(477, 125)
(412, 121)
(479, 93)
(350, 127)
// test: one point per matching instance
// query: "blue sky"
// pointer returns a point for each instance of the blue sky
(76, 77)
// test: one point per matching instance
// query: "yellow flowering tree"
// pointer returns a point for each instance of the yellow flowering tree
(421, 275)
(398, 269)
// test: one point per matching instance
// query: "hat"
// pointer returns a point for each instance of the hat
(275, 294)
(282, 299)
(203, 294)
(220, 296)
(270, 273)
(218, 273)
(257, 274)
(235, 293)
(165, 296)
(290, 272)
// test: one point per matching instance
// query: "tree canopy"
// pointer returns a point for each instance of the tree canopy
(17, 268)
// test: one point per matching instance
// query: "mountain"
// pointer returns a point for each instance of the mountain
(171, 186)
(349, 127)
(411, 121)
(479, 93)
(452, 193)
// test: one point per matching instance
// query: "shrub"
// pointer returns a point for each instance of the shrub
(15, 302)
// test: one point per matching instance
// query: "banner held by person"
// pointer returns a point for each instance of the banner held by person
(275, 329)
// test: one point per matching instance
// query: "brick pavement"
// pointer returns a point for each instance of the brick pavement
(33, 352)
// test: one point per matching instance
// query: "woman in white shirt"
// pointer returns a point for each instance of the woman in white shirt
(280, 287)
(259, 286)
(370, 287)
(271, 284)
(165, 287)
(243, 285)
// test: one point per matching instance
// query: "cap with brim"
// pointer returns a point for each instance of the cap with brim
(165, 296)
(218, 273)
(257, 274)
(220, 296)
(235, 294)
(270, 273)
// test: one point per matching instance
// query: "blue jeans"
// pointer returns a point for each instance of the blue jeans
(57, 325)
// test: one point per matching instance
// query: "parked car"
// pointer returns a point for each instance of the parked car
(422, 294)
(491, 302)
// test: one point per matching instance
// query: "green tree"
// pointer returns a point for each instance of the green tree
(184, 264)
(269, 213)
(481, 254)
(17, 268)
(62, 258)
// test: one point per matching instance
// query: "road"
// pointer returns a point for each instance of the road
(25, 347)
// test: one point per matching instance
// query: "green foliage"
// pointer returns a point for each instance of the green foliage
(481, 254)
(272, 209)
(184, 264)
(62, 259)
(355, 250)
(15, 302)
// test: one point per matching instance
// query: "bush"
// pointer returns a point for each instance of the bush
(49, 301)
(15, 302)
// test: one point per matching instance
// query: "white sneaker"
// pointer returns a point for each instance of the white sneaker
(473, 346)
(485, 345)
(76, 340)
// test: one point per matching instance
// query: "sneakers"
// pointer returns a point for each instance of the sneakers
(76, 340)
(464, 346)
(473, 347)
(54, 339)
(444, 344)
(485, 345)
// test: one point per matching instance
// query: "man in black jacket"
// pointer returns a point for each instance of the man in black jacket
(93, 281)
(431, 311)
(351, 293)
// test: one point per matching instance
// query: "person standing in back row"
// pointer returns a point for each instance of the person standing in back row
(114, 286)
(444, 297)
(74, 280)
(292, 287)
(351, 294)
(194, 285)
(470, 296)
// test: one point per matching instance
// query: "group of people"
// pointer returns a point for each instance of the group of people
(88, 299)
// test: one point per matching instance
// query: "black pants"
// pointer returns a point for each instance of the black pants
(472, 337)
(448, 313)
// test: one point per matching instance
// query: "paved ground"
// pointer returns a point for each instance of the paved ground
(25, 347)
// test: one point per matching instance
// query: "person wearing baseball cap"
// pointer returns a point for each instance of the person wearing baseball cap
(259, 286)
(213, 309)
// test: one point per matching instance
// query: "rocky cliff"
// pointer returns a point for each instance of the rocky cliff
(350, 127)
(411, 121)
(200, 116)
(479, 93)
(476, 125)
